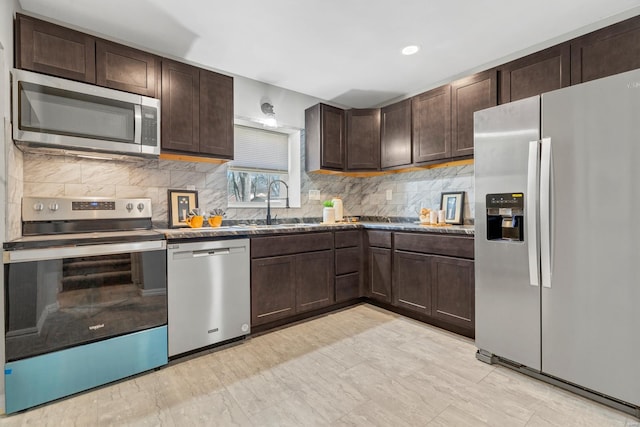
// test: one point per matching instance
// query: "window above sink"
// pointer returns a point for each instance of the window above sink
(262, 156)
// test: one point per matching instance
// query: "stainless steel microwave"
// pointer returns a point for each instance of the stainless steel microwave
(63, 115)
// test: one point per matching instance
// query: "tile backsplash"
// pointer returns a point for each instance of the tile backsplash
(46, 175)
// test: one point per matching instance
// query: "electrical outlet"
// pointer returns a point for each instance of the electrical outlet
(314, 194)
(389, 195)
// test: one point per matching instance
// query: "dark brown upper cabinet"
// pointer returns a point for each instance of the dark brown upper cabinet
(469, 95)
(611, 50)
(124, 68)
(52, 49)
(431, 117)
(534, 74)
(324, 138)
(395, 135)
(180, 107)
(363, 139)
(197, 111)
(216, 114)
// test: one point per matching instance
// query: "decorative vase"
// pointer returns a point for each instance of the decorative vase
(337, 206)
(328, 215)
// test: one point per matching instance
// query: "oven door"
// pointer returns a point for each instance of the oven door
(57, 298)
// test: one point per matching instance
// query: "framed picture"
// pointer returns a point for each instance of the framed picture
(453, 205)
(180, 204)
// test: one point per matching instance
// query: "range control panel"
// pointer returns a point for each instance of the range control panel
(78, 208)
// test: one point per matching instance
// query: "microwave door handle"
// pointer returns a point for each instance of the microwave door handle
(531, 212)
(137, 124)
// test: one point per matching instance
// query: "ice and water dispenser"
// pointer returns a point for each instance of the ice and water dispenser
(505, 216)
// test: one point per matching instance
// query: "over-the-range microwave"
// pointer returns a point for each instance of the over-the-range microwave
(62, 116)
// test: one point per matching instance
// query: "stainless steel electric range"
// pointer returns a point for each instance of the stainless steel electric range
(85, 297)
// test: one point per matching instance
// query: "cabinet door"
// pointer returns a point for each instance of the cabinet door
(469, 95)
(273, 289)
(535, 74)
(431, 113)
(180, 107)
(347, 287)
(332, 137)
(216, 114)
(453, 290)
(314, 280)
(124, 68)
(412, 281)
(611, 50)
(348, 260)
(380, 274)
(395, 135)
(51, 49)
(363, 139)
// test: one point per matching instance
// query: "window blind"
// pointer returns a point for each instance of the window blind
(259, 149)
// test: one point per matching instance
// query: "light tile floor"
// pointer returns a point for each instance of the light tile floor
(362, 366)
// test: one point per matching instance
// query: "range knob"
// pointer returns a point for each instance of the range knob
(129, 206)
(38, 207)
(54, 206)
(140, 206)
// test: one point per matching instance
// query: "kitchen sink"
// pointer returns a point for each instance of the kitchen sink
(292, 225)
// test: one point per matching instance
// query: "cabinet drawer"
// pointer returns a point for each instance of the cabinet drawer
(347, 239)
(380, 239)
(347, 287)
(348, 260)
(291, 244)
(456, 246)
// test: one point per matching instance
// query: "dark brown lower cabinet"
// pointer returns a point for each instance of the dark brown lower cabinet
(453, 295)
(314, 280)
(379, 263)
(348, 264)
(433, 275)
(291, 274)
(273, 289)
(412, 281)
(426, 275)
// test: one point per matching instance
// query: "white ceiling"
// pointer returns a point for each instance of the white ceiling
(342, 51)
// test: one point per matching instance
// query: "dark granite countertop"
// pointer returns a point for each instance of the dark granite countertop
(260, 230)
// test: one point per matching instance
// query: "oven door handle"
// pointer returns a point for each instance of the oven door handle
(28, 255)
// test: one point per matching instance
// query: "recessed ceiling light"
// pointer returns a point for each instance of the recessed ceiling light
(410, 50)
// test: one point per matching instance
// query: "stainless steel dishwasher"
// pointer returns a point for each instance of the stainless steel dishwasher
(208, 293)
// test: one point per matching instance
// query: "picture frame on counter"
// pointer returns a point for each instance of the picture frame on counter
(180, 204)
(453, 205)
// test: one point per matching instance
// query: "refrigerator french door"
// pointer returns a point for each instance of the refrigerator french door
(562, 299)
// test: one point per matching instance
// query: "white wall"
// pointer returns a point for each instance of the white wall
(289, 106)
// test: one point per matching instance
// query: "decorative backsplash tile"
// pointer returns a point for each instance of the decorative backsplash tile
(46, 175)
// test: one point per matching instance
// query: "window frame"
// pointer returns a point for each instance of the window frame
(293, 180)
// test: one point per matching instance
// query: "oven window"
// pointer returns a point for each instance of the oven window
(56, 304)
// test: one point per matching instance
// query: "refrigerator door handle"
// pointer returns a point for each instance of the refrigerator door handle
(545, 212)
(531, 206)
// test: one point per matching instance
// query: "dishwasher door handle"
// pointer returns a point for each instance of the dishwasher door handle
(209, 252)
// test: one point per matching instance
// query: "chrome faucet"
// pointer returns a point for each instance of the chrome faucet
(269, 198)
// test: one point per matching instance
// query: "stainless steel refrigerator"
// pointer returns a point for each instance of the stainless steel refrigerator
(557, 237)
